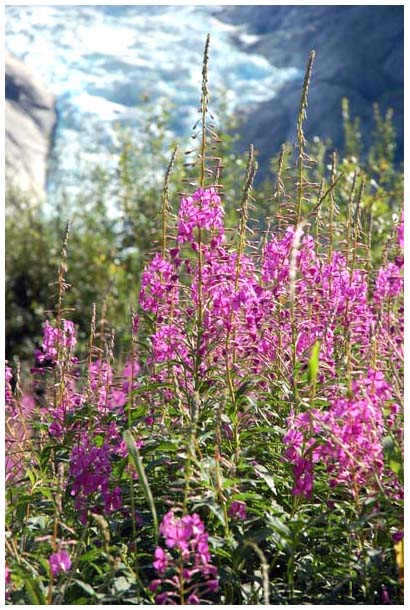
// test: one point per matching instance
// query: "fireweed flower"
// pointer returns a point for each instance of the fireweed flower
(89, 472)
(237, 510)
(398, 536)
(351, 432)
(159, 287)
(400, 232)
(101, 377)
(168, 343)
(389, 282)
(114, 398)
(59, 562)
(8, 391)
(202, 210)
(245, 307)
(161, 560)
(55, 339)
(7, 576)
(186, 540)
(385, 596)
(7, 580)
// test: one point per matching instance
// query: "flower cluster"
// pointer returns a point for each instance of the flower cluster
(90, 471)
(168, 343)
(245, 305)
(400, 232)
(8, 376)
(159, 288)
(202, 210)
(237, 510)
(239, 326)
(55, 339)
(195, 577)
(59, 562)
(347, 438)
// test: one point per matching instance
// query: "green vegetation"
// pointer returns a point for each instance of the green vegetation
(226, 425)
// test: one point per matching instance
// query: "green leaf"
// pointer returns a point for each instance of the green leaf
(98, 440)
(45, 456)
(243, 389)
(313, 365)
(263, 472)
(388, 444)
(85, 587)
(217, 512)
(121, 584)
(33, 588)
(136, 461)
(395, 466)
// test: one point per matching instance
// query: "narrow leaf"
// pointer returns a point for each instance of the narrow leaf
(136, 461)
(313, 366)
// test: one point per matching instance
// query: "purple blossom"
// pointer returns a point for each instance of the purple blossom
(161, 561)
(400, 232)
(59, 562)
(237, 510)
(89, 472)
(101, 377)
(8, 390)
(159, 286)
(385, 596)
(398, 536)
(55, 339)
(202, 210)
(177, 532)
(169, 343)
(351, 433)
(135, 324)
(389, 282)
(186, 540)
(7, 575)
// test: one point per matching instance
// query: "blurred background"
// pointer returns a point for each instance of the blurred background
(98, 96)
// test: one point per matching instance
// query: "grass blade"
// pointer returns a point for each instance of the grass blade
(136, 461)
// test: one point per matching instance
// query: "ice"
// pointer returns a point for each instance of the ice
(100, 61)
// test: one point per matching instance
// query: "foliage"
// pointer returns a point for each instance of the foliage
(248, 447)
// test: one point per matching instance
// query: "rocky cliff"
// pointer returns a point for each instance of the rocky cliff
(30, 119)
(359, 55)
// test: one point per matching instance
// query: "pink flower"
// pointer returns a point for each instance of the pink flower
(154, 584)
(176, 532)
(169, 343)
(161, 560)
(389, 282)
(237, 510)
(135, 324)
(188, 561)
(385, 596)
(112, 500)
(159, 286)
(398, 536)
(8, 390)
(303, 478)
(351, 432)
(90, 471)
(7, 576)
(59, 562)
(202, 210)
(55, 339)
(400, 232)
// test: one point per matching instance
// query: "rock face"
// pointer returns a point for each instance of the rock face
(30, 119)
(359, 55)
